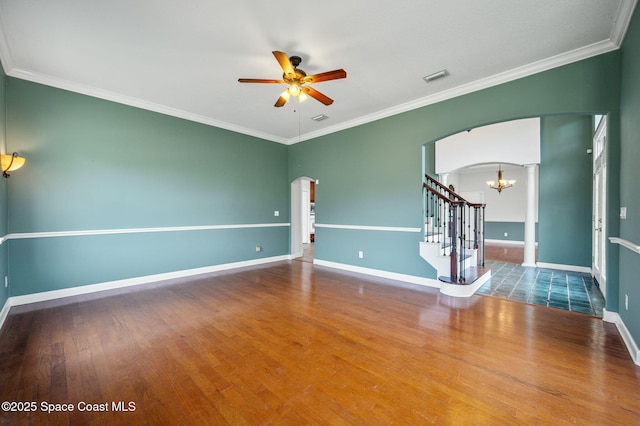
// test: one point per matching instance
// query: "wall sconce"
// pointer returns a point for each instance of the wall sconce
(10, 162)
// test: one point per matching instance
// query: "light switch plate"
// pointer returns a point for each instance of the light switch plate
(623, 212)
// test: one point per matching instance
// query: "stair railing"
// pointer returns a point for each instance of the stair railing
(455, 223)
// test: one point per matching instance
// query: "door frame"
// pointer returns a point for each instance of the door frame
(297, 217)
(599, 216)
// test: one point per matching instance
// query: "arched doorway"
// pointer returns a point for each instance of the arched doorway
(302, 217)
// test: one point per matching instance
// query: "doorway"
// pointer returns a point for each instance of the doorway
(599, 205)
(303, 218)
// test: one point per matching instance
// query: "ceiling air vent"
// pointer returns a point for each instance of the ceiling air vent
(319, 117)
(435, 76)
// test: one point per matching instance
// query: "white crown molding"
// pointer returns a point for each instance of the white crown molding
(520, 72)
(131, 101)
(622, 20)
(621, 23)
(485, 83)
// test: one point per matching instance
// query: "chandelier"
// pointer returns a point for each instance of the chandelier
(502, 183)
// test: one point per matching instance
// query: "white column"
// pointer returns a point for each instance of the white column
(444, 177)
(530, 218)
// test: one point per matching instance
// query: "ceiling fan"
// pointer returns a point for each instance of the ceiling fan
(296, 78)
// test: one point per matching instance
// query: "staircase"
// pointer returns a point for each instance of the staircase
(453, 239)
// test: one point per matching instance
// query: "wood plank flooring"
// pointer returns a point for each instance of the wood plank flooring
(506, 253)
(294, 343)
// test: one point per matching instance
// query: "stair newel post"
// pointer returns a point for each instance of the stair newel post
(476, 218)
(427, 208)
(439, 218)
(462, 237)
(430, 217)
(482, 235)
(453, 255)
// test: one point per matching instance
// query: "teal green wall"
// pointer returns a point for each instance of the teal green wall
(496, 230)
(565, 190)
(630, 177)
(99, 165)
(4, 292)
(372, 174)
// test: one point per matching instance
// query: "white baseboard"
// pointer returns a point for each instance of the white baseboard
(506, 242)
(628, 339)
(92, 288)
(4, 312)
(572, 268)
(412, 279)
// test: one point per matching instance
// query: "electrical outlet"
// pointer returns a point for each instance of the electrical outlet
(258, 248)
(506, 234)
(626, 302)
(623, 212)
(276, 213)
(360, 254)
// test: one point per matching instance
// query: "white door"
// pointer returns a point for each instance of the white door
(599, 270)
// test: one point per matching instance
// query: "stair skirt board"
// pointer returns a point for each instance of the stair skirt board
(465, 290)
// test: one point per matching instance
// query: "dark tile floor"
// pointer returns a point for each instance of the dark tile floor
(572, 291)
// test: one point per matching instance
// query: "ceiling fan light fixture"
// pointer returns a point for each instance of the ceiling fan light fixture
(294, 90)
(302, 97)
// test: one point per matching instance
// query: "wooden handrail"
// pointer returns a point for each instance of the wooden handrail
(450, 192)
(442, 197)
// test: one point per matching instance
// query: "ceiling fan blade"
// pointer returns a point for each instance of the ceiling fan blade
(260, 80)
(285, 63)
(324, 76)
(280, 102)
(317, 95)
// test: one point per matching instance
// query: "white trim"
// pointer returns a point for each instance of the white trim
(110, 285)
(629, 342)
(26, 235)
(135, 102)
(458, 290)
(566, 58)
(3, 239)
(572, 268)
(412, 279)
(4, 313)
(506, 242)
(621, 20)
(625, 243)
(369, 228)
(454, 290)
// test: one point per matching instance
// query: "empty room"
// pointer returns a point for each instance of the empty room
(263, 213)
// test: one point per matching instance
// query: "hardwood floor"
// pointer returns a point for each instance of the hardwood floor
(294, 343)
(507, 253)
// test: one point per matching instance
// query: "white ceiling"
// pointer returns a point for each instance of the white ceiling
(184, 58)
